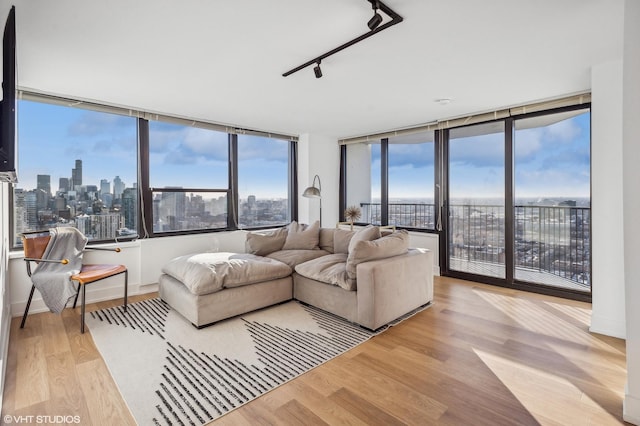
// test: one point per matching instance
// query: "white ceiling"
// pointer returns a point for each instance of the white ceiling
(222, 60)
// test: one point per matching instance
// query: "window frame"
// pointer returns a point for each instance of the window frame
(145, 190)
(384, 185)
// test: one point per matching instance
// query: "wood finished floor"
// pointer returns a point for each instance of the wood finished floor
(481, 355)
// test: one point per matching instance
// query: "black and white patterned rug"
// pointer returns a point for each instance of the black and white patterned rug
(169, 372)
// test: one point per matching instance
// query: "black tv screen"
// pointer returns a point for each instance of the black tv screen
(8, 107)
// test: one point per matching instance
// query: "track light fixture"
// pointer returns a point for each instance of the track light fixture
(375, 26)
(317, 71)
(376, 19)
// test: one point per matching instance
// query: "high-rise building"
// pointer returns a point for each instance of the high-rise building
(63, 185)
(105, 187)
(76, 175)
(44, 183)
(118, 187)
(129, 211)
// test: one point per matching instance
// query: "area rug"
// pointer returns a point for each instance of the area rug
(169, 372)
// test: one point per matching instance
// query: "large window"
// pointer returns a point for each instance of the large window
(552, 205)
(76, 168)
(188, 176)
(263, 181)
(476, 223)
(411, 181)
(392, 181)
(508, 192)
(115, 176)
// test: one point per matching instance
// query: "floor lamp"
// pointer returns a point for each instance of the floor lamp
(315, 192)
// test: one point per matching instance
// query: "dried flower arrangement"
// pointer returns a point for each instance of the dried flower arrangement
(352, 214)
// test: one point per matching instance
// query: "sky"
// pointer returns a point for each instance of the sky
(550, 162)
(52, 137)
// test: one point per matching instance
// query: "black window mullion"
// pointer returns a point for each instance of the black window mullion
(232, 195)
(384, 181)
(145, 199)
(509, 212)
(293, 180)
(342, 201)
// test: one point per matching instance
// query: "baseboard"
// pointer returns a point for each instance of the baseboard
(631, 409)
(606, 326)
(94, 295)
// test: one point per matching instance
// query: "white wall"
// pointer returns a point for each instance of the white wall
(358, 174)
(319, 155)
(631, 193)
(608, 314)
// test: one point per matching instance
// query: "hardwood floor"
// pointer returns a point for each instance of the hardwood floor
(480, 355)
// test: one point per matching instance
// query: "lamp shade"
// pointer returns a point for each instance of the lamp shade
(311, 192)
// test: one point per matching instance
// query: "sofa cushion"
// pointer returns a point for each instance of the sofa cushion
(302, 237)
(394, 244)
(263, 244)
(295, 257)
(341, 240)
(205, 273)
(326, 239)
(330, 269)
(367, 233)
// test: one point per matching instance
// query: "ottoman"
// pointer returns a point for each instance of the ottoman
(208, 287)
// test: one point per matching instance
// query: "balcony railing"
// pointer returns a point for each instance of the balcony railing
(550, 240)
(407, 215)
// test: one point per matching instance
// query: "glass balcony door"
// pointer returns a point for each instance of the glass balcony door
(476, 223)
(518, 202)
(552, 202)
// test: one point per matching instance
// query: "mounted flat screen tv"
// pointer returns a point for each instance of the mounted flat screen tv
(8, 106)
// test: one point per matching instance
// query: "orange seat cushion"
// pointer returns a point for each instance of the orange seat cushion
(91, 273)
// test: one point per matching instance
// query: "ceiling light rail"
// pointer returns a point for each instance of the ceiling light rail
(374, 26)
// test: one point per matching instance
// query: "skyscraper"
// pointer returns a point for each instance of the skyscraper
(118, 187)
(105, 187)
(63, 184)
(76, 175)
(44, 183)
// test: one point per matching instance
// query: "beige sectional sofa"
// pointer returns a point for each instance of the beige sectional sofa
(366, 276)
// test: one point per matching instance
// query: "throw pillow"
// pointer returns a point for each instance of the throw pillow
(341, 240)
(302, 237)
(387, 246)
(264, 244)
(367, 233)
(326, 239)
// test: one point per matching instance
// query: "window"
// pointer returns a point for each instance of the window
(409, 201)
(263, 181)
(188, 177)
(76, 168)
(80, 167)
(552, 205)
(411, 181)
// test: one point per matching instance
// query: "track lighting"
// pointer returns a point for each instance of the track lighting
(317, 71)
(375, 26)
(376, 19)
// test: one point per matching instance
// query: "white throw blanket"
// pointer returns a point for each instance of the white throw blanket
(53, 279)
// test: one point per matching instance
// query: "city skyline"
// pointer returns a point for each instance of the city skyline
(107, 145)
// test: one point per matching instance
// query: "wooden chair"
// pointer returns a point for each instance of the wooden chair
(35, 243)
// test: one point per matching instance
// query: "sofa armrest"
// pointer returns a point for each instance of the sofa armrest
(391, 287)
